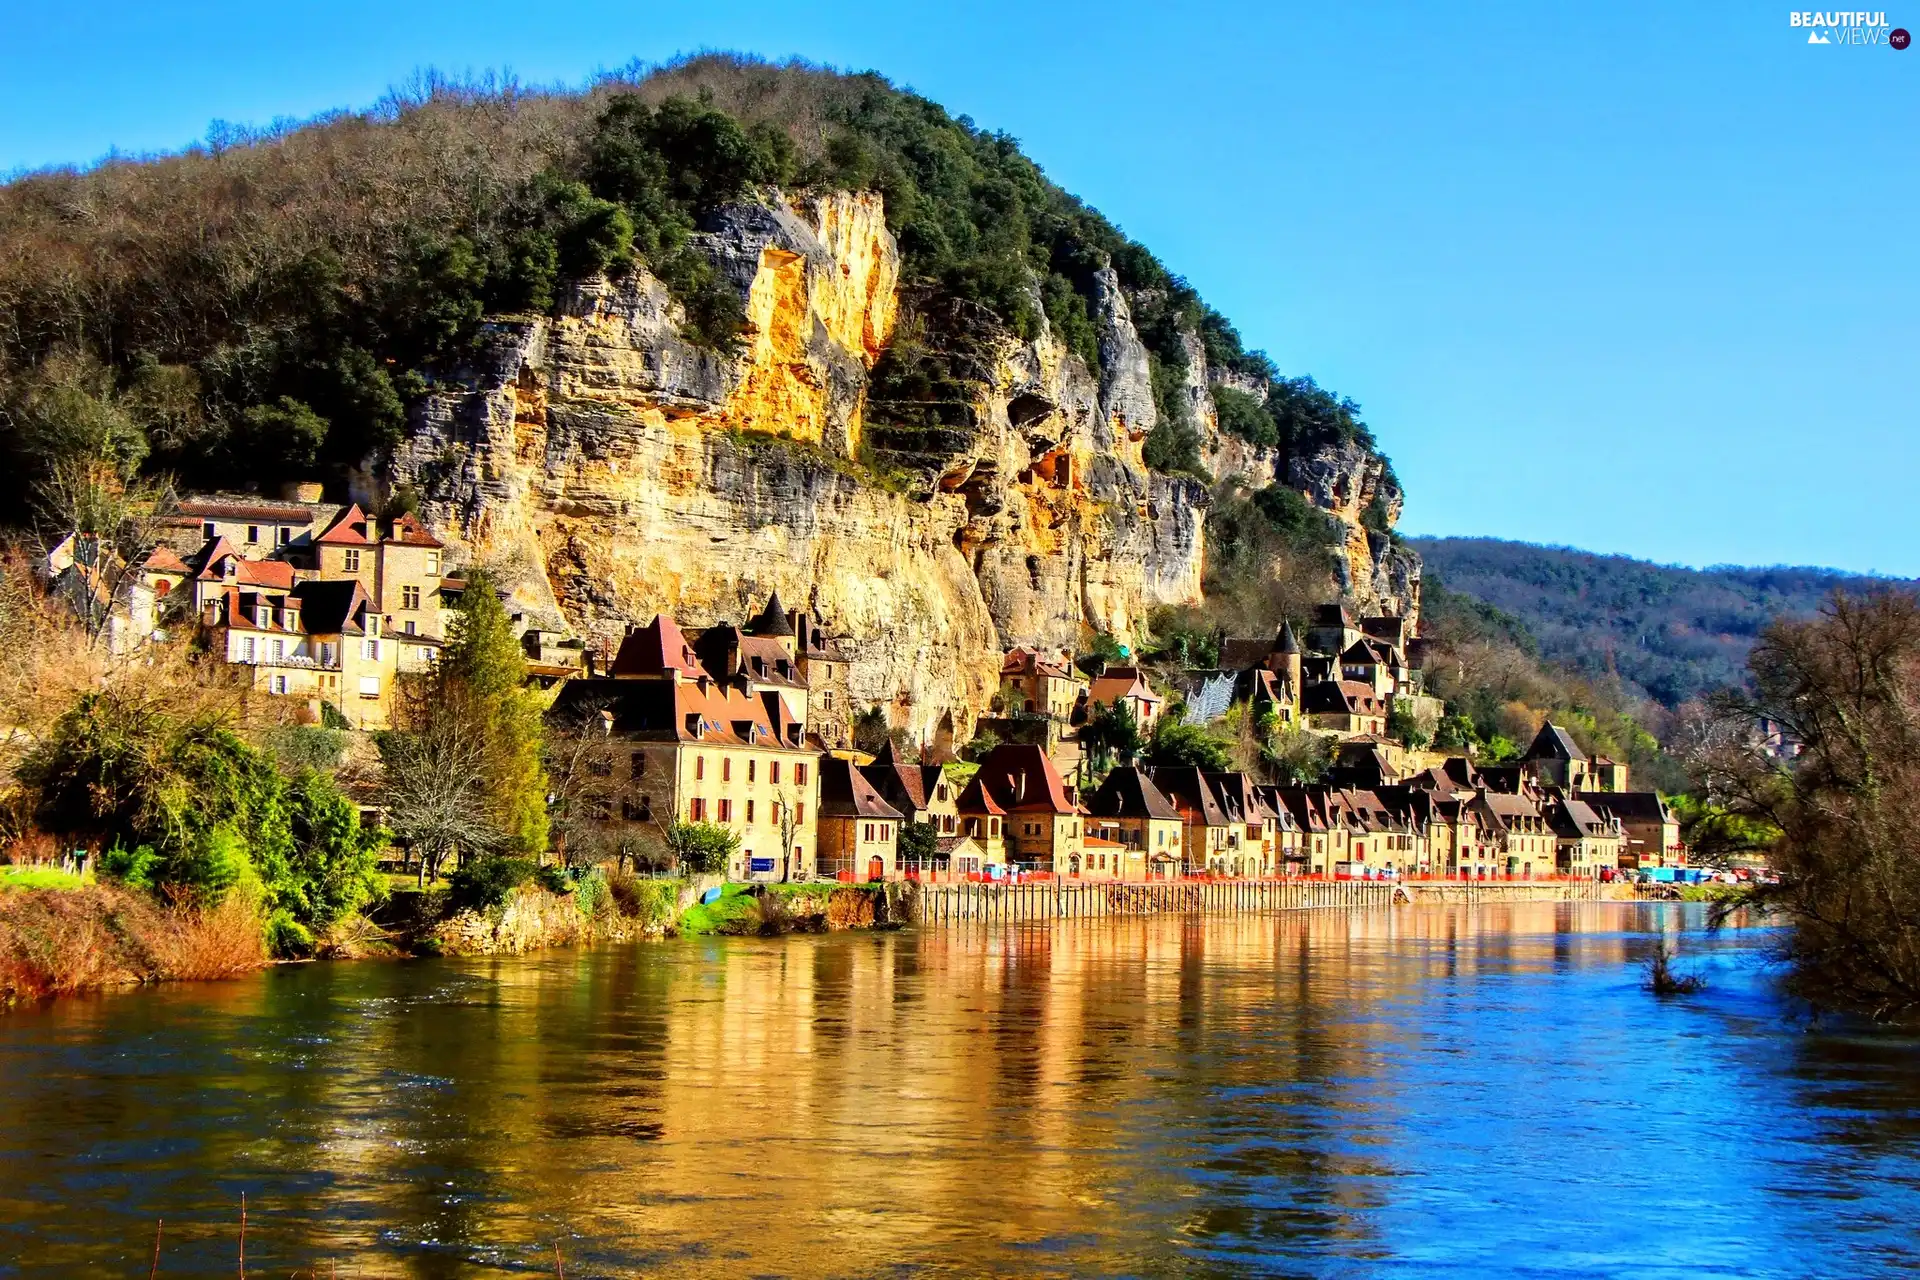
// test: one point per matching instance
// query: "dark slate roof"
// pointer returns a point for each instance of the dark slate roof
(1628, 806)
(1554, 743)
(329, 607)
(1286, 642)
(1187, 787)
(773, 619)
(845, 793)
(1127, 792)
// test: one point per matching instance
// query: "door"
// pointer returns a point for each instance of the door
(876, 868)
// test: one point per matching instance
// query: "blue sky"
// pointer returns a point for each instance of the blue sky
(1637, 278)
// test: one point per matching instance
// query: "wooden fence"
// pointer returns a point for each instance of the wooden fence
(1054, 900)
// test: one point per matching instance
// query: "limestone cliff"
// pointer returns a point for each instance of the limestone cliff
(609, 468)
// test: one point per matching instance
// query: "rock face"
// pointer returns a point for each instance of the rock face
(609, 469)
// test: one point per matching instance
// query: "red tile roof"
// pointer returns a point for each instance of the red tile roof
(655, 650)
(349, 530)
(1019, 776)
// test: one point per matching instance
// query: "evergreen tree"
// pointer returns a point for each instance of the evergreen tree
(483, 670)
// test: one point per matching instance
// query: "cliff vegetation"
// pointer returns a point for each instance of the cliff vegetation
(691, 334)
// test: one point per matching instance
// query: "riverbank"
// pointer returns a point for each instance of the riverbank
(60, 940)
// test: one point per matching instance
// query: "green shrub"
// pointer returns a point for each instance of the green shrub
(1240, 414)
(287, 938)
(484, 883)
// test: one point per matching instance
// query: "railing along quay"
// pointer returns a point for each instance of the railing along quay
(1057, 900)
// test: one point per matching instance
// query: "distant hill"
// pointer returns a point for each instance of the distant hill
(1676, 633)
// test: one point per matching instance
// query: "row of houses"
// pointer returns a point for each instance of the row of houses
(716, 729)
(750, 727)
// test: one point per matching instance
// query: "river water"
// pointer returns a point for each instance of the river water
(1429, 1091)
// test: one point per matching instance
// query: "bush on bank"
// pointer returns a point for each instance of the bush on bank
(190, 814)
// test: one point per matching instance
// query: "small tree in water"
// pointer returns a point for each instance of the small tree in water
(1845, 689)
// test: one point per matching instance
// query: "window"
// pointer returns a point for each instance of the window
(726, 768)
(253, 533)
(351, 560)
(699, 768)
(751, 764)
(373, 624)
(369, 686)
(410, 628)
(409, 597)
(639, 764)
(433, 562)
(370, 650)
(800, 814)
(773, 773)
(208, 530)
(279, 684)
(246, 649)
(283, 536)
(326, 655)
(800, 773)
(749, 813)
(280, 652)
(697, 809)
(726, 811)
(993, 826)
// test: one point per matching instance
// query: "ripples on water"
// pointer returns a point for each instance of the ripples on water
(1428, 1092)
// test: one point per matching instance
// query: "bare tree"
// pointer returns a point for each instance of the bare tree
(435, 788)
(590, 783)
(99, 524)
(1845, 686)
(787, 812)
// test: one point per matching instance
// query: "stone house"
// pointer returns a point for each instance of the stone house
(1649, 833)
(1128, 685)
(1033, 684)
(1043, 819)
(982, 824)
(1586, 841)
(858, 830)
(921, 792)
(706, 750)
(1528, 846)
(1345, 707)
(1211, 840)
(1129, 810)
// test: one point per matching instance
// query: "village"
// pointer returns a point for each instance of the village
(751, 727)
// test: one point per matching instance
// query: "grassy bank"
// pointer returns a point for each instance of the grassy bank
(770, 909)
(59, 940)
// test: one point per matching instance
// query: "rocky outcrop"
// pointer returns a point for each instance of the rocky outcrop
(609, 469)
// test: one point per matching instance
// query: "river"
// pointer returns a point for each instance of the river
(1427, 1091)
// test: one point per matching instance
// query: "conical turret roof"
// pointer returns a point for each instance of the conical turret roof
(1285, 642)
(772, 620)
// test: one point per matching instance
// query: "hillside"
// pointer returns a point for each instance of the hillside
(685, 337)
(1673, 632)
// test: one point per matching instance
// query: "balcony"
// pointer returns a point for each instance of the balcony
(292, 662)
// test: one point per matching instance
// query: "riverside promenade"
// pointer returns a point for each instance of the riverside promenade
(1066, 899)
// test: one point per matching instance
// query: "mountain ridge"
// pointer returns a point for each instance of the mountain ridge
(1671, 631)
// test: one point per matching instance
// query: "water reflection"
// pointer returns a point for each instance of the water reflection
(1485, 1091)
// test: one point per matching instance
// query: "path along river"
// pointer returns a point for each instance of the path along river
(1426, 1091)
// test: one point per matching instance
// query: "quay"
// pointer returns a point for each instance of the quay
(934, 904)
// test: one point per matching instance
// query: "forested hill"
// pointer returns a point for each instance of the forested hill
(1674, 632)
